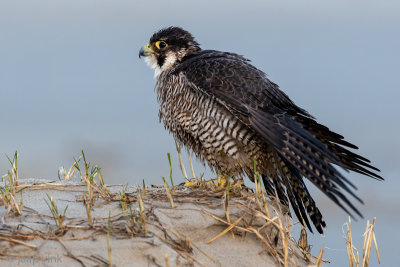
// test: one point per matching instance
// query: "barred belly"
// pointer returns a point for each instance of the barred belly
(206, 126)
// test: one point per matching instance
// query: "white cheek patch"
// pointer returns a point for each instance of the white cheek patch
(152, 62)
(168, 63)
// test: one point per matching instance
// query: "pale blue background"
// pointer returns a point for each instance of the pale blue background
(70, 78)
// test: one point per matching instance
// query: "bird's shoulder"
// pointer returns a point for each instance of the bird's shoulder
(233, 80)
(216, 64)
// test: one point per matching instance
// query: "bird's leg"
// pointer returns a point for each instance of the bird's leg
(193, 181)
(187, 181)
(178, 149)
(190, 164)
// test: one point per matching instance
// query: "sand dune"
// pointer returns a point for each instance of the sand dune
(154, 235)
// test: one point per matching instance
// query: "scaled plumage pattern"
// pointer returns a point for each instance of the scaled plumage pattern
(229, 113)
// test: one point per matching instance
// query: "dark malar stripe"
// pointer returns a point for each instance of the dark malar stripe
(160, 60)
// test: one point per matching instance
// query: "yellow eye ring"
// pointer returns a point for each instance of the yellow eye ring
(161, 44)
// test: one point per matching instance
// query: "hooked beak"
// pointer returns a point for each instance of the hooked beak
(145, 51)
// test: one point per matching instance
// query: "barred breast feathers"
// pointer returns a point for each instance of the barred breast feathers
(200, 122)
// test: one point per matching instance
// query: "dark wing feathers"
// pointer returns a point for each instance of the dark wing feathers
(302, 150)
(348, 159)
(303, 197)
(293, 195)
(302, 146)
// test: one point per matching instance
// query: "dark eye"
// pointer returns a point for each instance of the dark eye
(161, 44)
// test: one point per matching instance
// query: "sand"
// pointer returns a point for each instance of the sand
(169, 237)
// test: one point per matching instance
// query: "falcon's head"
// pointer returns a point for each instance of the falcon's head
(167, 47)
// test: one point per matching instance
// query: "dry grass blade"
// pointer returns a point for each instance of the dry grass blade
(71, 172)
(225, 222)
(319, 260)
(69, 253)
(349, 245)
(17, 242)
(109, 251)
(284, 242)
(88, 173)
(205, 254)
(14, 167)
(141, 210)
(284, 236)
(88, 210)
(303, 243)
(57, 216)
(367, 250)
(226, 196)
(365, 240)
(265, 205)
(8, 191)
(166, 260)
(377, 250)
(370, 236)
(259, 191)
(17, 207)
(122, 198)
(226, 230)
(167, 190)
(353, 258)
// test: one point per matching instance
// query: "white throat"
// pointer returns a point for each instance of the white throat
(168, 63)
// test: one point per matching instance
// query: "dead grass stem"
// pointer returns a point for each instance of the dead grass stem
(352, 252)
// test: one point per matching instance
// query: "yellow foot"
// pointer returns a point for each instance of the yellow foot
(189, 183)
(212, 183)
(220, 182)
(198, 182)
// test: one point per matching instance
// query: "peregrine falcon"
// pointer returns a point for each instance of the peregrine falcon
(230, 114)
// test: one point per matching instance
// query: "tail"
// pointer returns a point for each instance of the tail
(288, 184)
